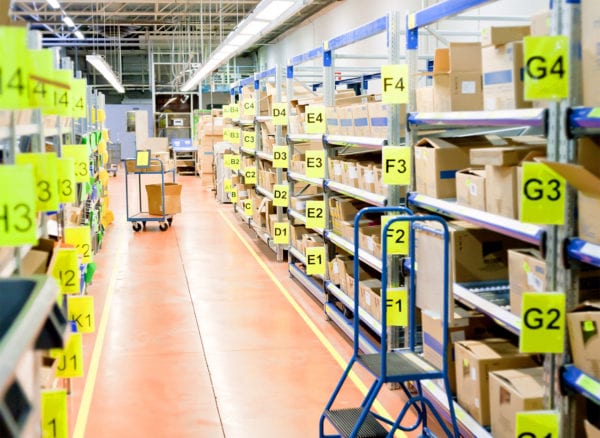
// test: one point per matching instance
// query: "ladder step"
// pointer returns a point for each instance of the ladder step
(401, 366)
(344, 421)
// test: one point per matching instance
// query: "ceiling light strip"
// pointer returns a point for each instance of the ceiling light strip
(102, 66)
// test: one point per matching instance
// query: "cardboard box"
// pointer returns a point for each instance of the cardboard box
(513, 391)
(526, 273)
(370, 296)
(333, 122)
(588, 154)
(502, 77)
(590, 57)
(475, 360)
(457, 82)
(591, 431)
(360, 117)
(503, 155)
(500, 35)
(467, 325)
(346, 120)
(370, 239)
(501, 191)
(540, 23)
(339, 267)
(584, 336)
(366, 177)
(476, 254)
(378, 118)
(470, 188)
(172, 198)
(425, 100)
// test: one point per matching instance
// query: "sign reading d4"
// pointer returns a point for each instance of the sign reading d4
(279, 114)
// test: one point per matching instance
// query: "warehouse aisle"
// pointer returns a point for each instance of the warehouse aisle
(204, 334)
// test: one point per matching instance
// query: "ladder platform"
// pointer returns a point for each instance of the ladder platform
(401, 366)
(344, 421)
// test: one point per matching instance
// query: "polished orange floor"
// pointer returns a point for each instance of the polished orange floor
(201, 333)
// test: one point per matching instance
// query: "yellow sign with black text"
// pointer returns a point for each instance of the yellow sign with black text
(396, 165)
(279, 114)
(282, 233)
(546, 72)
(315, 214)
(397, 236)
(315, 120)
(315, 260)
(18, 219)
(394, 84)
(537, 424)
(280, 157)
(315, 163)
(542, 195)
(542, 322)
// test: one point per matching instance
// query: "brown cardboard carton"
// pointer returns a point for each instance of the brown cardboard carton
(425, 100)
(467, 325)
(470, 188)
(591, 431)
(474, 361)
(172, 198)
(370, 296)
(584, 336)
(333, 122)
(476, 254)
(500, 35)
(360, 117)
(370, 239)
(346, 120)
(540, 23)
(526, 273)
(339, 267)
(503, 155)
(588, 154)
(378, 118)
(590, 59)
(513, 391)
(501, 191)
(366, 177)
(348, 284)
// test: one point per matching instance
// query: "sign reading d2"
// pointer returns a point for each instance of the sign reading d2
(279, 113)
(81, 238)
(54, 413)
(282, 233)
(280, 157)
(81, 311)
(69, 359)
(315, 164)
(542, 322)
(316, 123)
(315, 260)
(281, 194)
(546, 67)
(17, 205)
(315, 214)
(537, 424)
(396, 164)
(394, 83)
(542, 195)
(397, 307)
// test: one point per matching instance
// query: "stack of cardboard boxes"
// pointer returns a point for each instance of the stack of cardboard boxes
(209, 132)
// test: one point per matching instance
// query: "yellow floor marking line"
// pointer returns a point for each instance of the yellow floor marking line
(90, 381)
(318, 333)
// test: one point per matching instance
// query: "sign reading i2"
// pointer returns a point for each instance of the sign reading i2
(315, 260)
(396, 163)
(546, 67)
(315, 163)
(316, 123)
(282, 233)
(17, 205)
(542, 195)
(542, 322)
(66, 270)
(315, 214)
(281, 196)
(279, 114)
(280, 157)
(394, 83)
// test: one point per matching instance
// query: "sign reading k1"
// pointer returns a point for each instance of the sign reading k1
(394, 83)
(542, 195)
(546, 67)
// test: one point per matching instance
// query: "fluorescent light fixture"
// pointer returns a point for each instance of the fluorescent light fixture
(274, 10)
(254, 27)
(54, 4)
(79, 35)
(102, 66)
(68, 21)
(239, 40)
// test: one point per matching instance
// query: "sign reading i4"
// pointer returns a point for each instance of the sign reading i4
(280, 157)
(316, 123)
(397, 307)
(282, 233)
(397, 236)
(542, 322)
(281, 196)
(537, 424)
(542, 195)
(546, 67)
(279, 114)
(396, 164)
(315, 260)
(17, 205)
(54, 413)
(315, 163)
(315, 214)
(394, 83)
(80, 309)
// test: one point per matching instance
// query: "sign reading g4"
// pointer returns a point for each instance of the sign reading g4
(546, 67)
(394, 83)
(542, 195)
(396, 164)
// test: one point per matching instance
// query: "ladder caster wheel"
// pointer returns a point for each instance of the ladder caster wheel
(163, 226)
(144, 224)
(137, 226)
(170, 221)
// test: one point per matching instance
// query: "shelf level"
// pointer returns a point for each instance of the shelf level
(444, 9)
(353, 141)
(264, 192)
(349, 303)
(509, 227)
(264, 156)
(307, 282)
(353, 192)
(304, 138)
(580, 382)
(247, 151)
(347, 327)
(303, 178)
(302, 219)
(583, 251)
(584, 121)
(364, 256)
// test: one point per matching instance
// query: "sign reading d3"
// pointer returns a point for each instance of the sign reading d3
(394, 83)
(542, 195)
(396, 164)
(546, 67)
(280, 157)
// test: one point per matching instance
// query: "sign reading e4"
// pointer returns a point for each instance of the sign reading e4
(316, 123)
(542, 195)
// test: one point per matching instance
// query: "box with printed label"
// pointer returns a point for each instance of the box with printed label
(370, 296)
(338, 267)
(350, 173)
(500, 35)
(378, 118)
(512, 391)
(366, 177)
(346, 120)
(348, 284)
(333, 122)
(470, 188)
(474, 361)
(584, 337)
(526, 273)
(370, 239)
(590, 56)
(360, 117)
(503, 77)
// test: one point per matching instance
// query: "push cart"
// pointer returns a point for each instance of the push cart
(139, 168)
(114, 157)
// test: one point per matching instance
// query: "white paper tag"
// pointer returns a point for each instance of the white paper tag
(301, 205)
(369, 176)
(468, 87)
(337, 169)
(473, 373)
(477, 402)
(370, 244)
(368, 299)
(336, 268)
(534, 282)
(473, 189)
(417, 152)
(352, 172)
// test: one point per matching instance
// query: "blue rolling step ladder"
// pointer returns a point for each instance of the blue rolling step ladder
(401, 366)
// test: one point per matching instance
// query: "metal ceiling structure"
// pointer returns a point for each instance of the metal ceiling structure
(183, 33)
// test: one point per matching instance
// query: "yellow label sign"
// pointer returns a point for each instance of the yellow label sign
(396, 165)
(227, 160)
(235, 162)
(81, 311)
(546, 67)
(249, 139)
(227, 135)
(397, 307)
(235, 135)
(78, 98)
(281, 195)
(65, 270)
(54, 413)
(80, 237)
(69, 359)
(537, 424)
(280, 157)
(248, 207)
(234, 111)
(62, 95)
(105, 135)
(15, 68)
(17, 205)
(66, 180)
(394, 83)
(226, 112)
(248, 107)
(227, 185)
(315, 164)
(101, 115)
(282, 233)
(234, 195)
(279, 113)
(81, 156)
(315, 214)
(250, 175)
(41, 79)
(46, 178)
(397, 236)
(542, 195)
(542, 323)
(315, 260)
(315, 120)
(142, 158)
